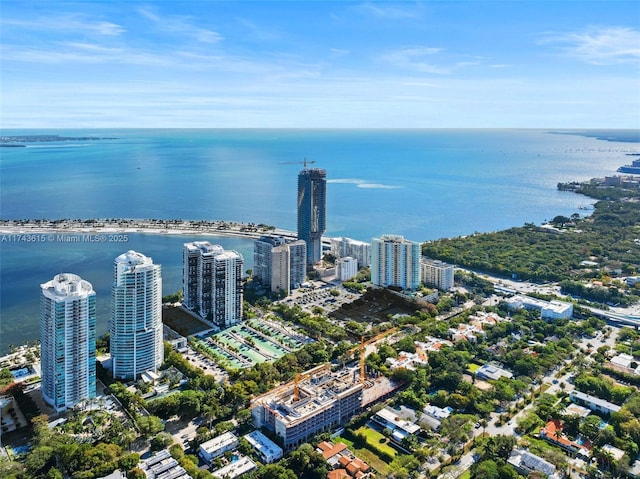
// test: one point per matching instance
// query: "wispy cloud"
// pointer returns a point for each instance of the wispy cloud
(600, 45)
(67, 23)
(362, 183)
(416, 59)
(181, 25)
(389, 11)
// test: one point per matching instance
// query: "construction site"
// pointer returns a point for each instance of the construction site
(319, 400)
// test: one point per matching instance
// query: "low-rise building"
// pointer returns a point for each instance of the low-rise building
(268, 450)
(552, 432)
(626, 363)
(466, 332)
(406, 360)
(576, 410)
(615, 452)
(162, 466)
(236, 468)
(548, 309)
(218, 446)
(432, 416)
(526, 462)
(400, 428)
(492, 372)
(344, 464)
(594, 403)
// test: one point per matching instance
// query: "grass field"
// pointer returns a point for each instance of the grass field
(377, 440)
(473, 367)
(367, 456)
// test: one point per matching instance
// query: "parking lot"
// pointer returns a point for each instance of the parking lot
(329, 297)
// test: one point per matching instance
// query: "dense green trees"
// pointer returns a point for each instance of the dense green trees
(540, 254)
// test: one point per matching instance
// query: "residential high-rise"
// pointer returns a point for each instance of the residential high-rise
(280, 279)
(395, 262)
(297, 263)
(262, 250)
(436, 273)
(312, 206)
(346, 268)
(136, 316)
(212, 281)
(68, 341)
(343, 247)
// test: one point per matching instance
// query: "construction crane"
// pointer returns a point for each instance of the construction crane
(298, 162)
(301, 377)
(364, 344)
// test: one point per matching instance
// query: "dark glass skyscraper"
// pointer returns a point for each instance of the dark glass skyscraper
(312, 209)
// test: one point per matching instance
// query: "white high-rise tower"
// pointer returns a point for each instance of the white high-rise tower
(68, 341)
(136, 316)
(395, 261)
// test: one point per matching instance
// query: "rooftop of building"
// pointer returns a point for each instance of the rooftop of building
(66, 285)
(205, 247)
(133, 258)
(163, 466)
(596, 401)
(435, 262)
(529, 461)
(263, 444)
(235, 468)
(318, 388)
(392, 418)
(219, 442)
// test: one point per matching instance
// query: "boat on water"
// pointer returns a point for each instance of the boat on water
(633, 168)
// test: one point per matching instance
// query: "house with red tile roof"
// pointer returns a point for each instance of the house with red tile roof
(343, 462)
(552, 433)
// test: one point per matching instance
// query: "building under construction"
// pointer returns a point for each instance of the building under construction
(317, 400)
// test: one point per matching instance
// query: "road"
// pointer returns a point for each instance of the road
(555, 385)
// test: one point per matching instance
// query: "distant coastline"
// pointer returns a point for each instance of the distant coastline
(19, 140)
(148, 226)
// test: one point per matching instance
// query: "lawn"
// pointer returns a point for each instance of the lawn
(377, 440)
(367, 456)
(473, 367)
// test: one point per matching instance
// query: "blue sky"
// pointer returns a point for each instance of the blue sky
(425, 64)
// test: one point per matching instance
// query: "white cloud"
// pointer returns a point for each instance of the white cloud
(389, 11)
(67, 23)
(181, 25)
(415, 59)
(600, 45)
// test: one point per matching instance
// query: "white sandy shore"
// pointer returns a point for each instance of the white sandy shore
(155, 227)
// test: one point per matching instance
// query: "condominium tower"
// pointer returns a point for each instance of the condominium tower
(212, 282)
(436, 273)
(343, 247)
(312, 206)
(395, 262)
(136, 316)
(279, 264)
(262, 251)
(68, 341)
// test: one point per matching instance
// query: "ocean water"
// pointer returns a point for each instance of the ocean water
(424, 184)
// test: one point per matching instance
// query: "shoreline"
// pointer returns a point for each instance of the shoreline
(143, 226)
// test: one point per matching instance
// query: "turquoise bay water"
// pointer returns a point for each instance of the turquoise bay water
(424, 184)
